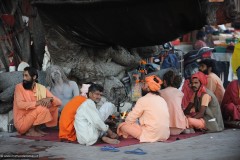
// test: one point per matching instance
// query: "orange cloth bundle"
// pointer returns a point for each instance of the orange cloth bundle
(66, 122)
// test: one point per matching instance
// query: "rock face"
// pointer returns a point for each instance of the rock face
(89, 64)
(106, 66)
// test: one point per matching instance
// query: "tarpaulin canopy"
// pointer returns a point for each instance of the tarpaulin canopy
(128, 23)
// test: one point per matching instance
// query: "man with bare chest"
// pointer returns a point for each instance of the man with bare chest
(60, 86)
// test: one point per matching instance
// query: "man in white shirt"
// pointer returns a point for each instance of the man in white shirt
(89, 124)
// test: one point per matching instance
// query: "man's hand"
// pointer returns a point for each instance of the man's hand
(188, 109)
(46, 102)
(238, 108)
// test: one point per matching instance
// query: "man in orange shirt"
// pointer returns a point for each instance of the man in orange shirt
(34, 105)
(214, 84)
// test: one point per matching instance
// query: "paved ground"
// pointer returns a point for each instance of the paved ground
(212, 146)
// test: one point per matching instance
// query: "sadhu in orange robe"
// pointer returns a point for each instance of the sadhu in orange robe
(25, 112)
(66, 122)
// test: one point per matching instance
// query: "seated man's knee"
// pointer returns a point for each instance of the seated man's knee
(42, 109)
(230, 107)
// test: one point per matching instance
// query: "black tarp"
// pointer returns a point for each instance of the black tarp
(129, 23)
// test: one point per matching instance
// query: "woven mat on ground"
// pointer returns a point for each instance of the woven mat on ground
(53, 136)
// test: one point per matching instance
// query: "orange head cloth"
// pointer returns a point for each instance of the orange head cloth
(203, 79)
(154, 83)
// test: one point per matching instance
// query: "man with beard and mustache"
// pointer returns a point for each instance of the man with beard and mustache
(60, 86)
(66, 122)
(34, 105)
(149, 119)
(214, 84)
(203, 111)
(231, 102)
(89, 121)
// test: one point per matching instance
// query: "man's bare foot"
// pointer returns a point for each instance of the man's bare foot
(37, 129)
(110, 140)
(113, 135)
(31, 132)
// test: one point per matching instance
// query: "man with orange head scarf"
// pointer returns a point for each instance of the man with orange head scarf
(203, 111)
(149, 119)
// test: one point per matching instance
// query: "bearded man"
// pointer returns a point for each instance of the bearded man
(60, 86)
(34, 105)
(203, 111)
(214, 83)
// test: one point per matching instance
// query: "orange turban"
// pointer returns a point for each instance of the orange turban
(154, 83)
(203, 79)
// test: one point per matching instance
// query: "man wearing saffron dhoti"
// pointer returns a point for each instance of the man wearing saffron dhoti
(34, 105)
(149, 119)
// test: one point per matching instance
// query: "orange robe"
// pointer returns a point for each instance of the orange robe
(216, 86)
(178, 121)
(66, 122)
(26, 114)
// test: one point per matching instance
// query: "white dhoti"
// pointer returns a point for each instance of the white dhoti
(88, 123)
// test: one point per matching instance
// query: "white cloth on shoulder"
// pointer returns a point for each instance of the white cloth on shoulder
(106, 110)
(84, 89)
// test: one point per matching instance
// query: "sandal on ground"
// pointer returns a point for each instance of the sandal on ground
(110, 149)
(136, 151)
(237, 124)
(232, 124)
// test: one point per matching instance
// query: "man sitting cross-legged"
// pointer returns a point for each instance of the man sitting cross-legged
(89, 124)
(214, 83)
(149, 119)
(60, 85)
(33, 105)
(66, 122)
(173, 97)
(203, 111)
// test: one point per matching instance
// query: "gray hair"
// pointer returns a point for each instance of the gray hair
(50, 82)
